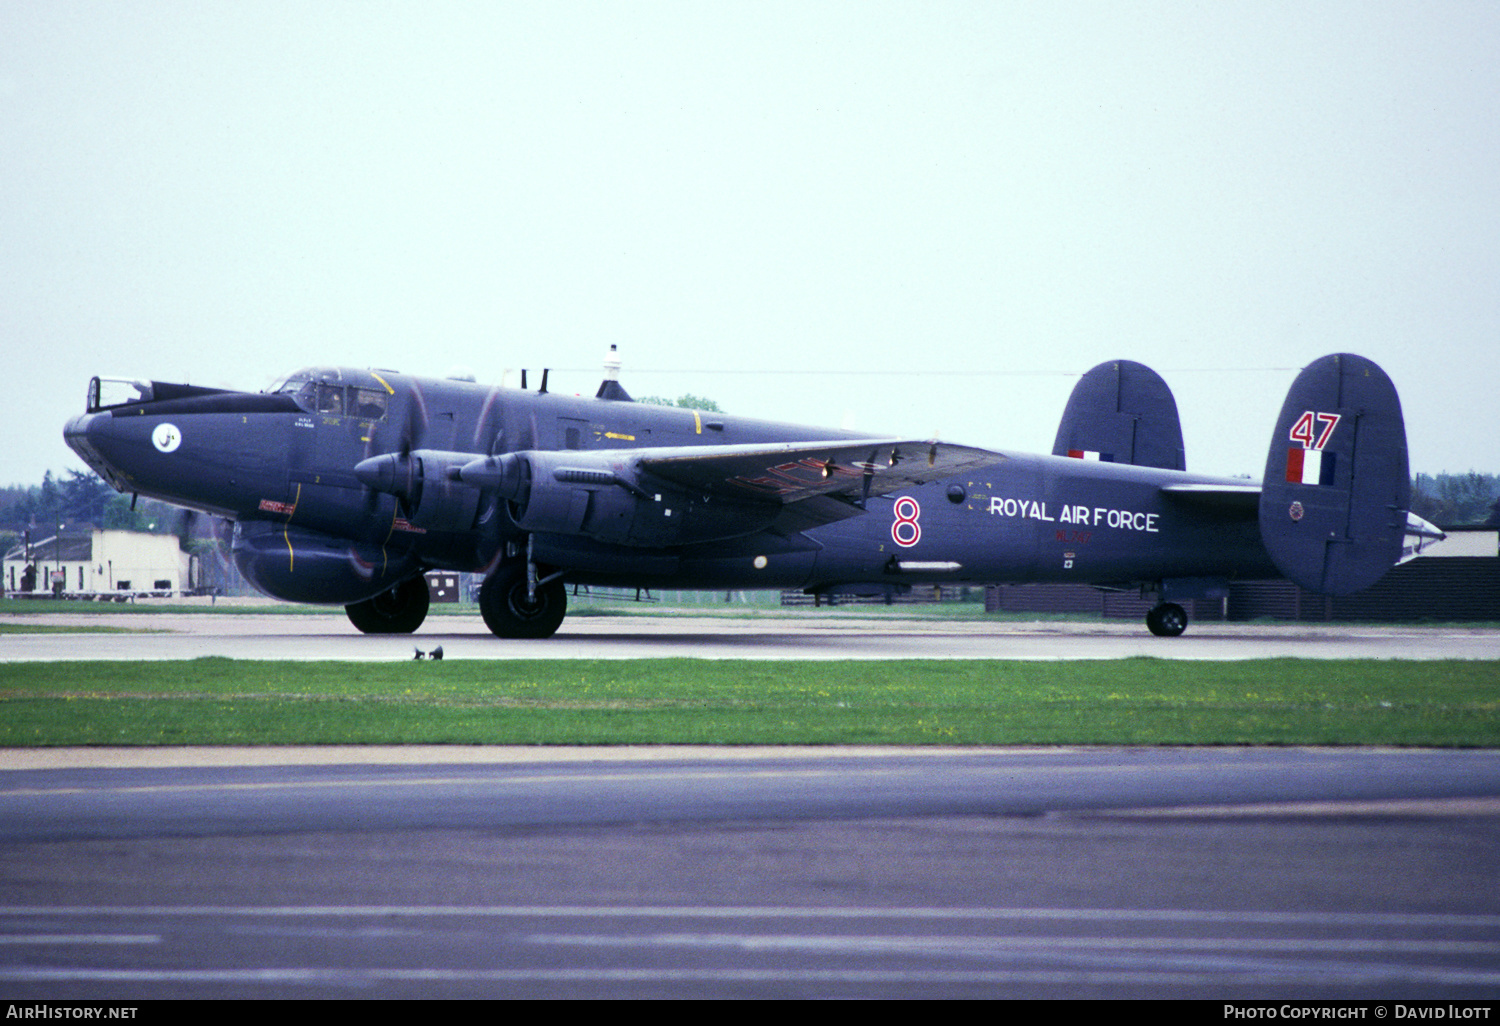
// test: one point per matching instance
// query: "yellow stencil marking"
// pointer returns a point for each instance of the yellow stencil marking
(286, 535)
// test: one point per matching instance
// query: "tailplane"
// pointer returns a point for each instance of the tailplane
(1335, 498)
(1122, 412)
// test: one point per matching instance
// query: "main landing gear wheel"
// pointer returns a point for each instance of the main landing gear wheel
(1167, 620)
(398, 611)
(508, 613)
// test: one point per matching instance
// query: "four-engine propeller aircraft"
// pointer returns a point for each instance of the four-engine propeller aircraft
(344, 486)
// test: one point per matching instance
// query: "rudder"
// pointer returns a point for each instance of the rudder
(1334, 498)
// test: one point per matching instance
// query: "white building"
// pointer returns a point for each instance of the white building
(99, 562)
(1466, 541)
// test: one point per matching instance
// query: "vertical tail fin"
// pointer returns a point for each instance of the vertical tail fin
(1334, 500)
(1122, 412)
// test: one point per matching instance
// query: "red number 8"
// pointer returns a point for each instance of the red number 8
(906, 532)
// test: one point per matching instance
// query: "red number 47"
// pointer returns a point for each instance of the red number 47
(1306, 429)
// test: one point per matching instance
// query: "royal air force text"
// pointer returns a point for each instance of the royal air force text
(1083, 516)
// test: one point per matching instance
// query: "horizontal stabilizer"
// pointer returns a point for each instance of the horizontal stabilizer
(1336, 492)
(1242, 498)
(1122, 412)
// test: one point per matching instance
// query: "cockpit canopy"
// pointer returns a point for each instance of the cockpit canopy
(324, 391)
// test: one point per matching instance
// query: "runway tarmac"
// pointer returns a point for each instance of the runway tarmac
(1357, 874)
(801, 635)
(1231, 874)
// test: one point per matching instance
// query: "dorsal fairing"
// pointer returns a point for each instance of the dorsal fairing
(1122, 412)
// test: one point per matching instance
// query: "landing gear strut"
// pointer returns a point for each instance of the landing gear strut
(398, 611)
(514, 608)
(1167, 620)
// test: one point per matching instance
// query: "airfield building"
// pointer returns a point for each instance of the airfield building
(98, 564)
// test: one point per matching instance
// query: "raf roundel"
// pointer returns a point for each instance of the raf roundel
(166, 437)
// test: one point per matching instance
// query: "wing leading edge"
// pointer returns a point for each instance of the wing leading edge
(620, 495)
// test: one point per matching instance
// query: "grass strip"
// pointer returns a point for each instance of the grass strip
(217, 701)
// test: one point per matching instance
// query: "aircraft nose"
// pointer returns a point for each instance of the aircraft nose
(76, 434)
(89, 435)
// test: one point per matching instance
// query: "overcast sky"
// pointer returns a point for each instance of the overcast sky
(910, 218)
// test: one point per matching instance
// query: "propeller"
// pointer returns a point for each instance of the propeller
(397, 476)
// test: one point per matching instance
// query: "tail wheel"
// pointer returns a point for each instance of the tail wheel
(1167, 620)
(398, 611)
(509, 613)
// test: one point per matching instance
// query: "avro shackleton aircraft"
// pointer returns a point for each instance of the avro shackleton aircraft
(344, 486)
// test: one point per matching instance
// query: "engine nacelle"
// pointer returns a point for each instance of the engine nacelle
(605, 496)
(428, 483)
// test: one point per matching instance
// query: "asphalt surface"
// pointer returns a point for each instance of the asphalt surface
(794, 635)
(1176, 873)
(417, 872)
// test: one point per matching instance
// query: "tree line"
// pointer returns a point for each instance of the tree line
(1457, 500)
(80, 499)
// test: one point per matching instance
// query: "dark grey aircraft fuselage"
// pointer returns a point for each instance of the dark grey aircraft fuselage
(282, 465)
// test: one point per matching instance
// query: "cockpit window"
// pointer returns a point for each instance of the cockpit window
(331, 400)
(367, 403)
(315, 393)
(305, 393)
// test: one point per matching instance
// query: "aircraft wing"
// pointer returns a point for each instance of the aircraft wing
(797, 471)
(1241, 498)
